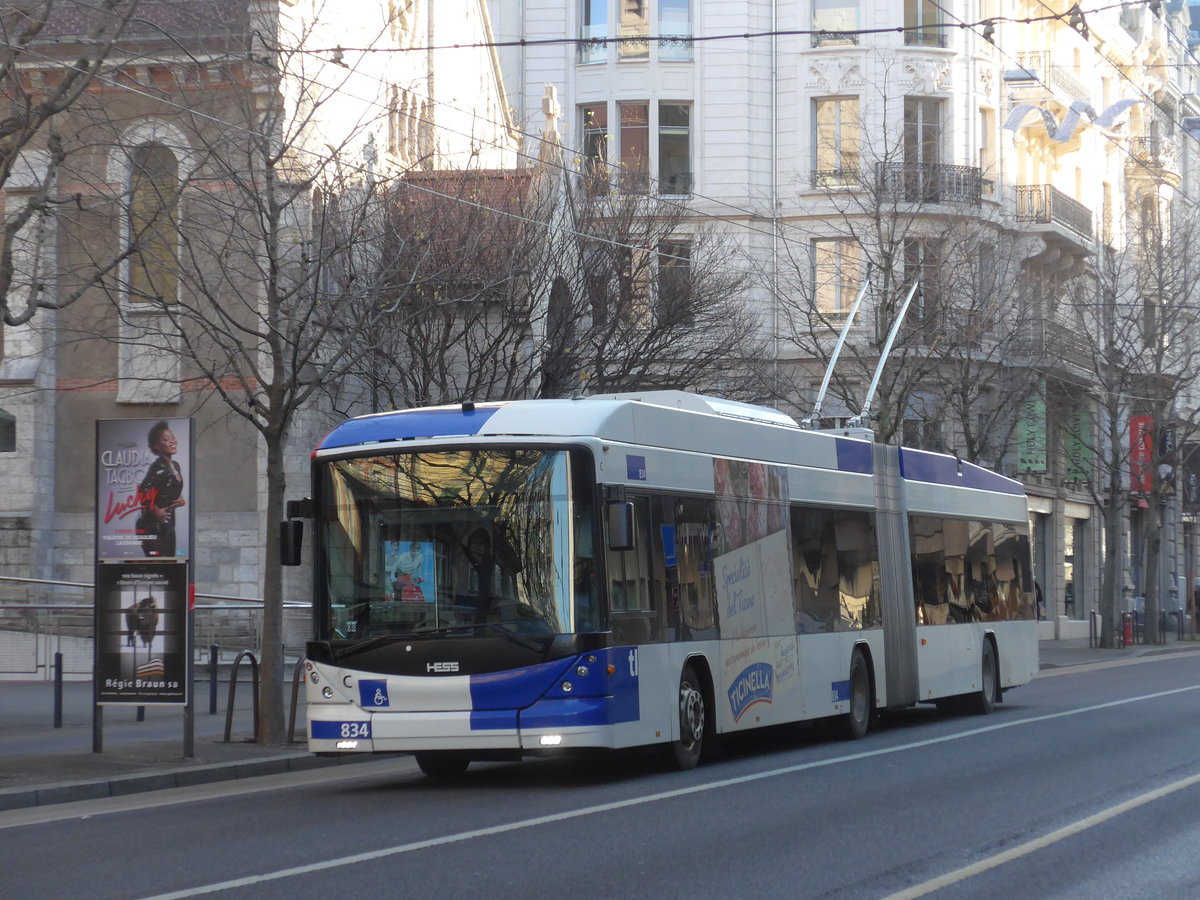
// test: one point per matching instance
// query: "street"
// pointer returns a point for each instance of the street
(1083, 784)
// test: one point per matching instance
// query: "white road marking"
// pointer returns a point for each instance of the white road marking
(951, 878)
(383, 853)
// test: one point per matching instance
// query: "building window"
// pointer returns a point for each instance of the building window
(153, 225)
(922, 24)
(594, 153)
(922, 434)
(635, 29)
(634, 146)
(834, 22)
(674, 302)
(835, 275)
(922, 148)
(633, 286)
(672, 23)
(593, 28)
(674, 148)
(148, 362)
(923, 264)
(987, 149)
(8, 432)
(675, 21)
(661, 145)
(836, 141)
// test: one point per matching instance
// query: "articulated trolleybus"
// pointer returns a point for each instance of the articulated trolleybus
(540, 576)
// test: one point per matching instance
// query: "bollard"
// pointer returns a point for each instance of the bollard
(1128, 636)
(58, 690)
(213, 651)
(141, 714)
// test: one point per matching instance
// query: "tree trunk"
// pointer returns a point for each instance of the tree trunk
(270, 707)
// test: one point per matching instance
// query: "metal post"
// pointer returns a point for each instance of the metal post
(141, 714)
(213, 651)
(58, 689)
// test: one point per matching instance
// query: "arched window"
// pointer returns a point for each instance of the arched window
(153, 225)
(8, 432)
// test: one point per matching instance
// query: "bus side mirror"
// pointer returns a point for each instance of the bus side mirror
(291, 539)
(620, 525)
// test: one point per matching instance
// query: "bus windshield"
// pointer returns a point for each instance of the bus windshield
(467, 541)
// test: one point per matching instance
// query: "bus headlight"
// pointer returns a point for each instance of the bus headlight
(581, 671)
(567, 687)
(327, 692)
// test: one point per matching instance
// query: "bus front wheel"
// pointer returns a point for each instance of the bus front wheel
(691, 720)
(858, 720)
(443, 763)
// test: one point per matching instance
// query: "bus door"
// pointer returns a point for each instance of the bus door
(633, 614)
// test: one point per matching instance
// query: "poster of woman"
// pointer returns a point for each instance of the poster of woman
(143, 488)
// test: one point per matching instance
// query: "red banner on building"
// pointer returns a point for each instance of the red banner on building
(1141, 453)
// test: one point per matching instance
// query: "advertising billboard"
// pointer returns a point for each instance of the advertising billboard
(141, 633)
(143, 489)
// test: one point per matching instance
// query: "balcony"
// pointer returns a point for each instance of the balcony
(850, 177)
(930, 182)
(1154, 152)
(1040, 340)
(962, 329)
(1059, 79)
(1045, 204)
(833, 38)
(926, 36)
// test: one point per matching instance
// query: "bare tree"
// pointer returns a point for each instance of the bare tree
(259, 265)
(1138, 312)
(908, 226)
(51, 53)
(515, 284)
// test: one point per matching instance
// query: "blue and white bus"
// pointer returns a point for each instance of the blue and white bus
(530, 577)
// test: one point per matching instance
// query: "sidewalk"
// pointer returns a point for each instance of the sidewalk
(41, 764)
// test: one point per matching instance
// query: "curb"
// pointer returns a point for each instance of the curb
(124, 785)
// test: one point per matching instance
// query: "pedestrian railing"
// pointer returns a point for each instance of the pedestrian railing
(40, 618)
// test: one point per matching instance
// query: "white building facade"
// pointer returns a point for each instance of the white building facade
(1024, 120)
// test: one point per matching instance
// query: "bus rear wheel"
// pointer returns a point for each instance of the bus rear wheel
(983, 701)
(857, 721)
(443, 763)
(692, 715)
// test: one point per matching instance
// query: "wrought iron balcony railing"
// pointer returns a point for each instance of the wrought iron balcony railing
(931, 182)
(1047, 341)
(1153, 151)
(925, 37)
(830, 38)
(1058, 78)
(832, 178)
(1043, 203)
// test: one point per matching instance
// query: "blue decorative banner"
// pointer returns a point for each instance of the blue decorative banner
(753, 685)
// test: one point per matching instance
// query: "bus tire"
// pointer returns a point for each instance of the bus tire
(692, 720)
(857, 722)
(983, 701)
(442, 763)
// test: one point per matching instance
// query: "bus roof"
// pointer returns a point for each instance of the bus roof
(595, 415)
(654, 418)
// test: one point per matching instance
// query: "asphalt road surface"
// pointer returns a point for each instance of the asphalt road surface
(1085, 783)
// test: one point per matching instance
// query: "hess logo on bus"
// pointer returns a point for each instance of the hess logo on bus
(441, 667)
